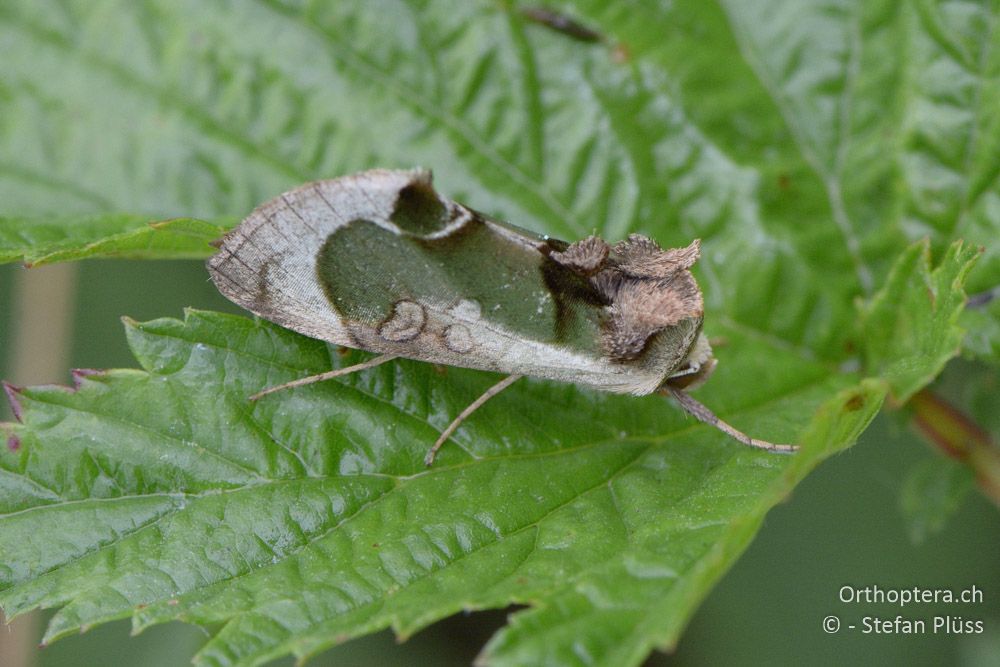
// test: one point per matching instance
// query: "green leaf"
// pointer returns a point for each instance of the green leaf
(43, 241)
(299, 522)
(808, 144)
(910, 327)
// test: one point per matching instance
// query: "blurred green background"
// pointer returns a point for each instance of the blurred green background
(842, 526)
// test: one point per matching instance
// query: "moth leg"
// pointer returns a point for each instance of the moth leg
(371, 363)
(706, 416)
(475, 405)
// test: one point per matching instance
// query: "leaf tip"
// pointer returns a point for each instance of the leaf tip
(81, 374)
(13, 392)
(131, 326)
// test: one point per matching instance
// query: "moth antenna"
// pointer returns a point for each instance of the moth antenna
(476, 404)
(706, 416)
(371, 363)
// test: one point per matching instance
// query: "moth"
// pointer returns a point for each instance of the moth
(379, 261)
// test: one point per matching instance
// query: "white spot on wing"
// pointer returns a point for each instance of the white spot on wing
(467, 310)
(405, 323)
(459, 339)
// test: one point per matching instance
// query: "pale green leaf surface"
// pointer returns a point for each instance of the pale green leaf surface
(861, 123)
(37, 241)
(805, 143)
(910, 327)
(882, 118)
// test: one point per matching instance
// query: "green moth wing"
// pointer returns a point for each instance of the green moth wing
(379, 261)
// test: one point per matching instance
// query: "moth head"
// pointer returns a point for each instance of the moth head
(654, 306)
(654, 301)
